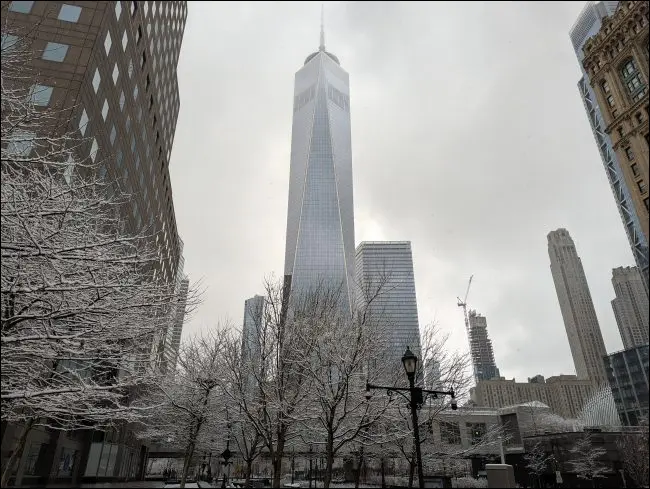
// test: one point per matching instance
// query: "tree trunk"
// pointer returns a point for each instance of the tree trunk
(277, 457)
(411, 473)
(358, 474)
(249, 468)
(329, 454)
(189, 453)
(17, 453)
(383, 474)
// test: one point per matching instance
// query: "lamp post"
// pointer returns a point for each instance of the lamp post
(310, 456)
(415, 401)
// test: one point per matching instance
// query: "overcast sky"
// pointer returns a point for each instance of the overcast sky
(469, 139)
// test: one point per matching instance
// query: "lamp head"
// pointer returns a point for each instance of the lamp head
(410, 362)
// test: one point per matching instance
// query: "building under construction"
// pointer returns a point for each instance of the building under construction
(481, 348)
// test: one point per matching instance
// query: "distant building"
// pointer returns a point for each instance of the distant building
(578, 311)
(432, 374)
(627, 372)
(481, 348)
(630, 306)
(537, 379)
(387, 267)
(566, 395)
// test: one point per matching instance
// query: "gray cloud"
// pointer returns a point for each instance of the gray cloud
(469, 139)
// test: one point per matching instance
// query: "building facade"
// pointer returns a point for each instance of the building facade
(616, 60)
(109, 68)
(566, 395)
(630, 306)
(320, 217)
(481, 348)
(582, 328)
(588, 25)
(627, 372)
(384, 271)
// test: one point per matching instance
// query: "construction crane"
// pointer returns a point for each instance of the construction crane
(463, 304)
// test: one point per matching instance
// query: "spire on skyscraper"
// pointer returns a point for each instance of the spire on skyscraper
(321, 47)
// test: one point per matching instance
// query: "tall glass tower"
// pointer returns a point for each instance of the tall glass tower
(320, 220)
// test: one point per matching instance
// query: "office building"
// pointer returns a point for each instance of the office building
(582, 328)
(566, 395)
(614, 92)
(110, 69)
(630, 306)
(252, 329)
(385, 273)
(627, 372)
(320, 218)
(481, 348)
(432, 374)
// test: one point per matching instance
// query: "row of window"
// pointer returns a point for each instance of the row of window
(67, 13)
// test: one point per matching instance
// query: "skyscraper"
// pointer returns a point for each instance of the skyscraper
(387, 267)
(630, 306)
(481, 348)
(585, 338)
(627, 372)
(625, 178)
(320, 219)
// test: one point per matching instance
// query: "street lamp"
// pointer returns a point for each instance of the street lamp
(417, 397)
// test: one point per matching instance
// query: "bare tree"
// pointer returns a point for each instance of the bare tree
(537, 461)
(270, 391)
(80, 304)
(189, 397)
(633, 447)
(586, 459)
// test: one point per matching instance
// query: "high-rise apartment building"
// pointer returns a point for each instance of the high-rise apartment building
(481, 348)
(252, 328)
(384, 272)
(109, 68)
(320, 219)
(630, 306)
(614, 92)
(585, 338)
(627, 372)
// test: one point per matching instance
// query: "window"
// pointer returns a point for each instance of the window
(130, 69)
(610, 100)
(138, 37)
(632, 80)
(635, 169)
(146, 8)
(55, 51)
(108, 42)
(96, 80)
(642, 187)
(119, 158)
(8, 42)
(619, 130)
(128, 123)
(150, 102)
(21, 143)
(41, 94)
(94, 147)
(135, 93)
(629, 154)
(83, 122)
(21, 7)
(118, 9)
(69, 13)
(113, 134)
(639, 118)
(134, 8)
(144, 59)
(122, 100)
(646, 201)
(132, 144)
(148, 83)
(116, 74)
(105, 109)
(125, 39)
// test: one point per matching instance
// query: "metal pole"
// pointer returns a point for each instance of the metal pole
(416, 432)
(503, 457)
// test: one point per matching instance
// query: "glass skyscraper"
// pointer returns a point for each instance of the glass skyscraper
(320, 220)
